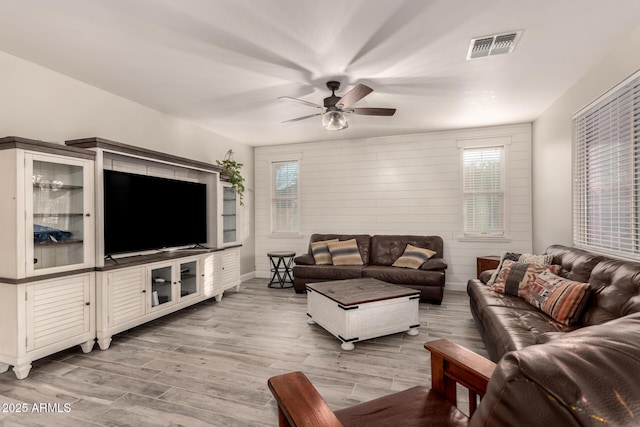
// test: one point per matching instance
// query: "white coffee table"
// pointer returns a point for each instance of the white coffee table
(360, 309)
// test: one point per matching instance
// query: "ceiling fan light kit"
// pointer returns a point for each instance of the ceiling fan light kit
(336, 107)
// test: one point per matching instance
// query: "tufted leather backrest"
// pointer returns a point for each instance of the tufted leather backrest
(385, 250)
(617, 291)
(576, 263)
(363, 240)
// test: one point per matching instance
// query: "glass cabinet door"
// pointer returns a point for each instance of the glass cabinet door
(188, 278)
(58, 213)
(161, 286)
(229, 215)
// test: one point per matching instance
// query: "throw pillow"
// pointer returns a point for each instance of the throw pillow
(345, 252)
(413, 257)
(518, 257)
(515, 278)
(321, 253)
(562, 299)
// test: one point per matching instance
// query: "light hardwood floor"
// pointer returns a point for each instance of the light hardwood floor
(208, 365)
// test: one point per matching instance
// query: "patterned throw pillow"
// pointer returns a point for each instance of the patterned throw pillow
(345, 253)
(560, 298)
(518, 257)
(515, 278)
(321, 253)
(413, 257)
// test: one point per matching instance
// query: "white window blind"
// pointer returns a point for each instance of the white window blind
(285, 217)
(483, 191)
(606, 173)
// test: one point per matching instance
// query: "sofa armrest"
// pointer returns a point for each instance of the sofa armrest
(299, 403)
(434, 264)
(453, 364)
(304, 259)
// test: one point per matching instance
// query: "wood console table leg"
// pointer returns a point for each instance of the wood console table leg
(22, 371)
(413, 332)
(104, 343)
(87, 346)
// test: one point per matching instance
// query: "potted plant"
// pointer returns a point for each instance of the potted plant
(231, 173)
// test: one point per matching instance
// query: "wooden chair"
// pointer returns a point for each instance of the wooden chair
(300, 404)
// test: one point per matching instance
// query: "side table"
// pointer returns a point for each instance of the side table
(489, 262)
(281, 269)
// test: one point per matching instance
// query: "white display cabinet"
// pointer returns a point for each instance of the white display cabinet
(229, 218)
(47, 195)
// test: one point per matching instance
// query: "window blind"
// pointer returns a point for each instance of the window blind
(483, 191)
(606, 173)
(284, 204)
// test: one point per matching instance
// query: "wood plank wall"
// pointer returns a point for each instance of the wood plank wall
(394, 185)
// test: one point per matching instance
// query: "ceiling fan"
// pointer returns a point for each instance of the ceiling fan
(333, 118)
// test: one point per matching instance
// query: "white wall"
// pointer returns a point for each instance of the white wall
(41, 104)
(394, 185)
(552, 143)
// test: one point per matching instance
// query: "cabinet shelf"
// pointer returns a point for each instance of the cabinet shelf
(64, 242)
(39, 215)
(48, 186)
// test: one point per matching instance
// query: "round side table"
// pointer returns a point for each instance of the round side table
(281, 269)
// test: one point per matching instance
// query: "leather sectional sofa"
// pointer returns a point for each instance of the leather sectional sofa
(509, 323)
(378, 254)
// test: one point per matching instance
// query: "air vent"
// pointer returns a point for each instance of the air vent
(497, 44)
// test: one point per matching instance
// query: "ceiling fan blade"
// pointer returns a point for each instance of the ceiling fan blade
(354, 95)
(302, 118)
(372, 111)
(302, 101)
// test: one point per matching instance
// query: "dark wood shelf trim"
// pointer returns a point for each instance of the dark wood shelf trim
(119, 147)
(10, 142)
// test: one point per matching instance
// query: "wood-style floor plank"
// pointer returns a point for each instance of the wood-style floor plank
(208, 365)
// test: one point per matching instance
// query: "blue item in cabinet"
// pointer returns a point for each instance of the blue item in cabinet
(42, 234)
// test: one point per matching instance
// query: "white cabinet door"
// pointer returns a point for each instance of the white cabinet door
(58, 310)
(127, 295)
(211, 265)
(230, 274)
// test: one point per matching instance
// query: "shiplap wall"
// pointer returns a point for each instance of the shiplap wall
(406, 184)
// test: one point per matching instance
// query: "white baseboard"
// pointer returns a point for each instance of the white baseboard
(458, 287)
(248, 276)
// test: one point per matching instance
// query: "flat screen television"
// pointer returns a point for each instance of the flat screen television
(145, 212)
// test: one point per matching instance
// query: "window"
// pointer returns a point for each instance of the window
(483, 191)
(606, 172)
(285, 216)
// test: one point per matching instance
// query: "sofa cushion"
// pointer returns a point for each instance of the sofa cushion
(385, 249)
(327, 272)
(515, 278)
(413, 257)
(482, 297)
(576, 264)
(320, 251)
(519, 257)
(345, 253)
(363, 240)
(404, 276)
(562, 299)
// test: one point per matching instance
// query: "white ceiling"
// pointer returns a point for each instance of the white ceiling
(223, 63)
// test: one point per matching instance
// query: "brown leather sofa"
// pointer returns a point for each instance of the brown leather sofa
(378, 253)
(508, 323)
(588, 377)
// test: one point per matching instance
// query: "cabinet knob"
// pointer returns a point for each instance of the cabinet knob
(88, 214)
(144, 291)
(87, 303)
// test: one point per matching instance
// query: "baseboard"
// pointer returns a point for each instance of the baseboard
(248, 276)
(456, 287)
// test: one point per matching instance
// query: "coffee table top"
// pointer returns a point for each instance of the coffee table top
(360, 291)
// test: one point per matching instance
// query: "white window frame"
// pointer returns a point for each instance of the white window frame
(606, 214)
(285, 234)
(477, 235)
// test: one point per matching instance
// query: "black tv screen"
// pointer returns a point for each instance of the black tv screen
(146, 212)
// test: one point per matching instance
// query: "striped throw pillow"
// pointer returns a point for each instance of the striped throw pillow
(560, 298)
(321, 253)
(413, 257)
(345, 253)
(516, 278)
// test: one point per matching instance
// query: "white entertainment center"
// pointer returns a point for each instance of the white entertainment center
(57, 288)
